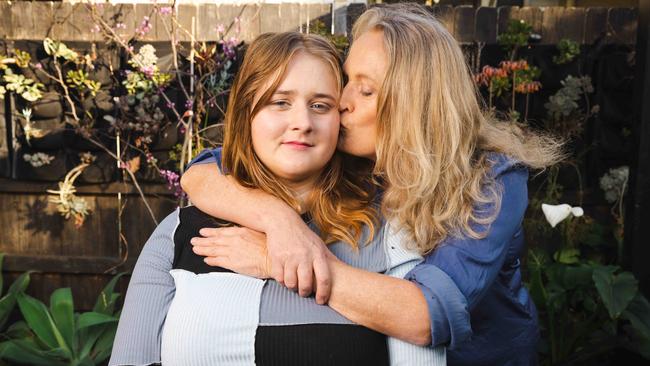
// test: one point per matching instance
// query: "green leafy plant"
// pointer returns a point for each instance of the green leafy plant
(59, 49)
(58, 336)
(22, 86)
(586, 308)
(568, 49)
(516, 35)
(8, 300)
(78, 79)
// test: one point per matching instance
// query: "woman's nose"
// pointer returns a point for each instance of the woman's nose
(346, 105)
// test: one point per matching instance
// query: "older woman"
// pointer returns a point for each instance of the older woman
(454, 188)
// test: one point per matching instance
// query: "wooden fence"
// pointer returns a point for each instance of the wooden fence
(36, 237)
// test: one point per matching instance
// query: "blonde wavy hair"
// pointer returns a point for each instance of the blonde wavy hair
(433, 138)
(340, 204)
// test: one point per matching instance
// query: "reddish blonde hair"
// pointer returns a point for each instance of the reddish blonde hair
(340, 203)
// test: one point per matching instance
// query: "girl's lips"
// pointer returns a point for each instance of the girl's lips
(298, 145)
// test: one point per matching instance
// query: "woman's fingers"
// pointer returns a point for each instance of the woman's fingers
(208, 251)
(323, 280)
(202, 242)
(305, 279)
(290, 275)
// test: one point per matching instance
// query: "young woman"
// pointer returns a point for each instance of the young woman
(455, 187)
(281, 132)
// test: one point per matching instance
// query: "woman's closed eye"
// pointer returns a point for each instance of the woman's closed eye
(366, 92)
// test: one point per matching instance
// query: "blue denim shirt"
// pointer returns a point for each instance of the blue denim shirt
(478, 305)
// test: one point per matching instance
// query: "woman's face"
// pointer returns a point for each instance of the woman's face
(365, 68)
(295, 134)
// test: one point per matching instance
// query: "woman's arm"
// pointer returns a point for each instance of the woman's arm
(433, 306)
(296, 254)
(151, 290)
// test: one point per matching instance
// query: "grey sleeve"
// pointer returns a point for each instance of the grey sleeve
(148, 297)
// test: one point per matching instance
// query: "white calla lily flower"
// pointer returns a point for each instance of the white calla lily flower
(555, 214)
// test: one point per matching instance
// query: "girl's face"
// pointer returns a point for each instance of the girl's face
(295, 134)
(365, 68)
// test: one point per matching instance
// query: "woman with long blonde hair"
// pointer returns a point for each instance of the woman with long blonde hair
(454, 189)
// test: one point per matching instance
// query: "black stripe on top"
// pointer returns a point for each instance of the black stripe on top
(191, 221)
(320, 345)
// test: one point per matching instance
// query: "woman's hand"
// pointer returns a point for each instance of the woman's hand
(298, 258)
(238, 249)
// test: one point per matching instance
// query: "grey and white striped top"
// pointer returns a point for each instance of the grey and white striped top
(148, 321)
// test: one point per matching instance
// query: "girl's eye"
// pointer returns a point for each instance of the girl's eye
(321, 107)
(280, 103)
(366, 92)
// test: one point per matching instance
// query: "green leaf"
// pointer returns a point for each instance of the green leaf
(573, 277)
(19, 330)
(638, 313)
(62, 310)
(106, 300)
(92, 318)
(20, 284)
(41, 322)
(27, 352)
(7, 304)
(616, 291)
(105, 343)
(567, 256)
(90, 336)
(2, 259)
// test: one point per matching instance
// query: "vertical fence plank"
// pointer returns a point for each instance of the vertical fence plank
(445, 14)
(595, 24)
(486, 25)
(123, 14)
(44, 18)
(5, 167)
(83, 24)
(532, 16)
(23, 19)
(270, 21)
(62, 25)
(354, 11)
(6, 27)
(550, 24)
(464, 23)
(571, 24)
(637, 215)
(250, 22)
(622, 22)
(207, 22)
(289, 15)
(504, 15)
(146, 10)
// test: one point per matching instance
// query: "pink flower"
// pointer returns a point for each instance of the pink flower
(173, 182)
(148, 70)
(145, 27)
(165, 10)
